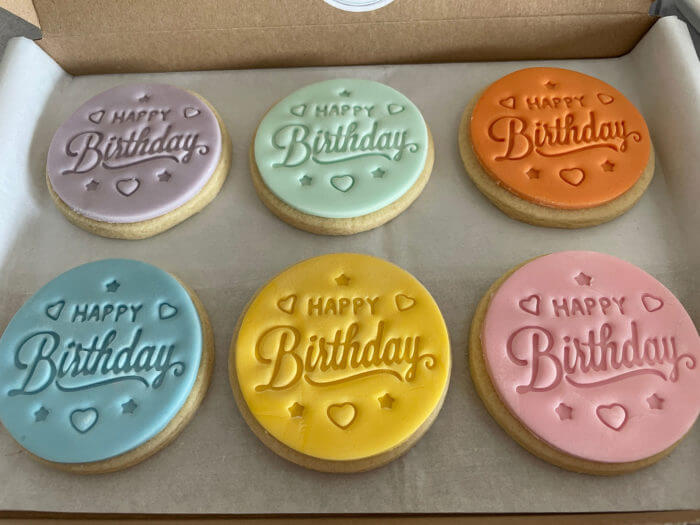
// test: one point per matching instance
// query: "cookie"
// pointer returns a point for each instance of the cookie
(340, 363)
(341, 156)
(554, 147)
(137, 160)
(587, 361)
(104, 366)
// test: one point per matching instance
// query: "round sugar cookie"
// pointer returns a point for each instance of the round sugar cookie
(340, 363)
(587, 361)
(137, 160)
(104, 366)
(554, 147)
(341, 156)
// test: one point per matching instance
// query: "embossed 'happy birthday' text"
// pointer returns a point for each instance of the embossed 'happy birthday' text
(92, 148)
(341, 305)
(575, 357)
(561, 136)
(73, 366)
(292, 356)
(342, 143)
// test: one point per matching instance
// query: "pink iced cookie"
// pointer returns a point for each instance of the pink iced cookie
(592, 356)
(137, 153)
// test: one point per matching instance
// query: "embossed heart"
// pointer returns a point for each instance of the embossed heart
(53, 311)
(191, 112)
(342, 182)
(83, 420)
(507, 102)
(298, 111)
(605, 99)
(530, 304)
(342, 414)
(287, 304)
(166, 311)
(96, 116)
(613, 416)
(404, 302)
(651, 303)
(395, 108)
(127, 187)
(573, 176)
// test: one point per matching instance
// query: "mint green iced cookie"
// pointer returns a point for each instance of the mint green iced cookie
(341, 156)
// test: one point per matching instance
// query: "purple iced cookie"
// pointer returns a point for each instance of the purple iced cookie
(135, 154)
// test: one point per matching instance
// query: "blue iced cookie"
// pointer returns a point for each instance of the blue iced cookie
(104, 366)
(341, 156)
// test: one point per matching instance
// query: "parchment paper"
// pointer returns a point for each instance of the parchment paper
(451, 239)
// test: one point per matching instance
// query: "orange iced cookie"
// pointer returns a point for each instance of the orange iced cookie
(555, 147)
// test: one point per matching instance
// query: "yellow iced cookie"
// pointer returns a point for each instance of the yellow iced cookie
(341, 362)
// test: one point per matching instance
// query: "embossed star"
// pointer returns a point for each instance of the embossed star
(378, 173)
(608, 166)
(305, 180)
(164, 176)
(144, 98)
(550, 85)
(129, 407)
(41, 414)
(564, 411)
(344, 93)
(342, 280)
(655, 402)
(92, 185)
(532, 173)
(112, 286)
(296, 410)
(583, 280)
(386, 401)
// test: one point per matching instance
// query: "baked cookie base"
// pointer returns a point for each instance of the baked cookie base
(513, 426)
(174, 427)
(151, 227)
(312, 462)
(536, 214)
(332, 226)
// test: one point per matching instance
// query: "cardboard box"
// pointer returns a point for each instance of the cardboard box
(128, 36)
(114, 36)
